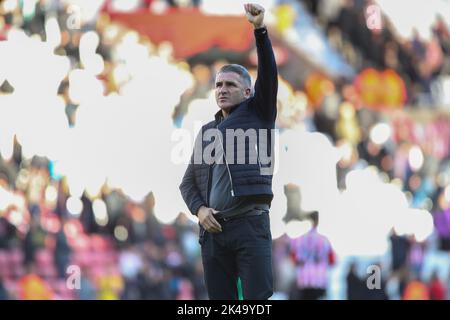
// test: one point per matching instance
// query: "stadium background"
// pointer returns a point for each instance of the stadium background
(97, 96)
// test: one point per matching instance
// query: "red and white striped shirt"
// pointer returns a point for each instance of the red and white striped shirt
(313, 255)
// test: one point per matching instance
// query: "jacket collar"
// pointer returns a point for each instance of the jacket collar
(219, 116)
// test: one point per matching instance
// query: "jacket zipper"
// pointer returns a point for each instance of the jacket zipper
(226, 164)
(208, 185)
(257, 156)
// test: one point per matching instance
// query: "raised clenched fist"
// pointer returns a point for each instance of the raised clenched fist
(255, 14)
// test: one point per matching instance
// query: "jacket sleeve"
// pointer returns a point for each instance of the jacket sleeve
(266, 84)
(188, 187)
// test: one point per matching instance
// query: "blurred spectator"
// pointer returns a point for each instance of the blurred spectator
(130, 264)
(416, 290)
(87, 291)
(313, 255)
(34, 239)
(7, 233)
(62, 251)
(152, 283)
(110, 285)
(442, 223)
(354, 284)
(3, 292)
(393, 287)
(34, 287)
(185, 290)
(437, 288)
(443, 34)
(417, 45)
(87, 215)
(416, 257)
(400, 247)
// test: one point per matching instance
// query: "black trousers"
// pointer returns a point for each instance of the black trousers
(311, 293)
(243, 249)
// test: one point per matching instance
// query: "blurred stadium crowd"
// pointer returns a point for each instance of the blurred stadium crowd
(388, 122)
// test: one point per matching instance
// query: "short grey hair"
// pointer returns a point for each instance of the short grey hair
(240, 70)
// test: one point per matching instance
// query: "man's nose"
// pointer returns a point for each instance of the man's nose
(222, 90)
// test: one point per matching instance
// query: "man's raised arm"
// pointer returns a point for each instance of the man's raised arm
(266, 85)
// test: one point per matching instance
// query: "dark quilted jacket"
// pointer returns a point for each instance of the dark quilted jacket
(257, 112)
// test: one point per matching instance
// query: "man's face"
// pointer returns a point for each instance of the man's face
(230, 90)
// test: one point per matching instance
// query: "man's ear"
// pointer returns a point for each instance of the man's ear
(248, 92)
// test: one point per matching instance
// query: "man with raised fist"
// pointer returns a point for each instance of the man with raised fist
(231, 196)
